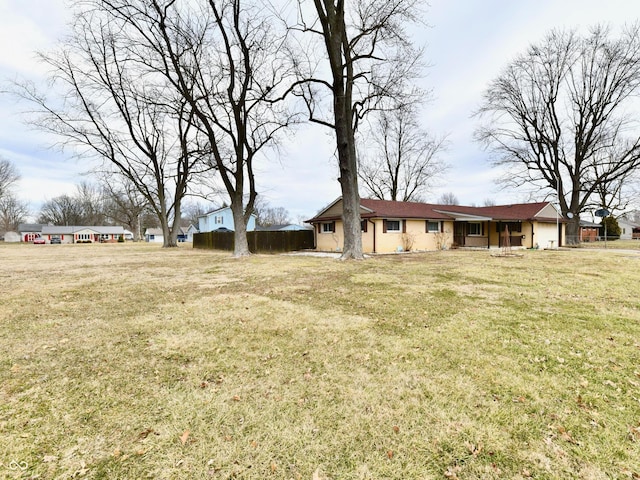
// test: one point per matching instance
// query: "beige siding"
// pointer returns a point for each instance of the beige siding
(330, 242)
(525, 231)
(547, 212)
(415, 238)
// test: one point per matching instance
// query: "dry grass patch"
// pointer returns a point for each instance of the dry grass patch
(128, 361)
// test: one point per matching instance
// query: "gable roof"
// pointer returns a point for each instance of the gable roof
(218, 210)
(371, 208)
(30, 227)
(516, 211)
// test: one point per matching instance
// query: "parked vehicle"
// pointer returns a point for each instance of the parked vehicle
(56, 240)
(39, 241)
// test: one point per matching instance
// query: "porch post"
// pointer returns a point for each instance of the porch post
(488, 234)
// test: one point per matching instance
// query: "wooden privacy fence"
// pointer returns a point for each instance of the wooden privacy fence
(259, 241)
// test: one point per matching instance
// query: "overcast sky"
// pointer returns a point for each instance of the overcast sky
(468, 42)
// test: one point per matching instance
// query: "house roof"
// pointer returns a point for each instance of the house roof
(153, 231)
(69, 230)
(30, 227)
(516, 211)
(218, 210)
(389, 209)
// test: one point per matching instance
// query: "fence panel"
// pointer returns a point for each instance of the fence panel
(259, 241)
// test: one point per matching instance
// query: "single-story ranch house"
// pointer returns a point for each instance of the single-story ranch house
(71, 234)
(402, 226)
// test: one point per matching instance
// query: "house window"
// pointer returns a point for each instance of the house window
(218, 220)
(512, 226)
(392, 225)
(475, 228)
(433, 227)
(329, 227)
(363, 225)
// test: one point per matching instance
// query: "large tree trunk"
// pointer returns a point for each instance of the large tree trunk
(572, 232)
(350, 196)
(169, 236)
(342, 72)
(241, 245)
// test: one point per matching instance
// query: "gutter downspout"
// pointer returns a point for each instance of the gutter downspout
(532, 235)
(374, 234)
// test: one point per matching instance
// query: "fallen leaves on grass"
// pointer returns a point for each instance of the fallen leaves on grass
(566, 436)
(184, 437)
(145, 433)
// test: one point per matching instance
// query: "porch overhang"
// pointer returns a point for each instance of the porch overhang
(465, 217)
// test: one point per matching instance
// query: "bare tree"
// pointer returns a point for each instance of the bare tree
(225, 60)
(12, 213)
(556, 117)
(62, 210)
(448, 198)
(92, 202)
(370, 58)
(192, 211)
(9, 176)
(268, 215)
(113, 106)
(124, 204)
(403, 163)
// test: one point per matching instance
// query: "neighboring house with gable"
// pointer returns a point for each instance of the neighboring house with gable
(628, 229)
(222, 219)
(29, 231)
(389, 226)
(154, 235)
(189, 231)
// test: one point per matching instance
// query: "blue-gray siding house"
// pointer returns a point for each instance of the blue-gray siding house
(222, 219)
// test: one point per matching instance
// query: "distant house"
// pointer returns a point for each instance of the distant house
(628, 229)
(189, 231)
(71, 234)
(589, 231)
(82, 234)
(401, 226)
(154, 235)
(29, 231)
(222, 219)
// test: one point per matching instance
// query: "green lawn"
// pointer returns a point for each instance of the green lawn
(132, 362)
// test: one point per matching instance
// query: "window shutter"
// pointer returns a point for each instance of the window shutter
(384, 226)
(426, 226)
(482, 228)
(441, 227)
(363, 225)
(333, 227)
(404, 226)
(319, 225)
